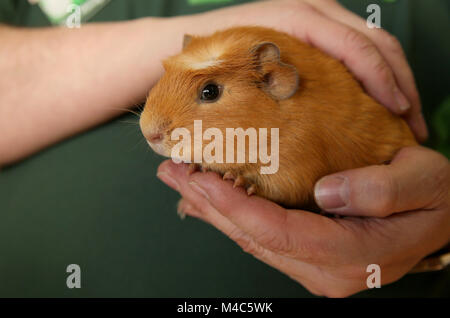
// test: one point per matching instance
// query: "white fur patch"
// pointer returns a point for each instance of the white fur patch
(204, 64)
(201, 59)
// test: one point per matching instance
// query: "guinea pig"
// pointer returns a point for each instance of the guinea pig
(258, 77)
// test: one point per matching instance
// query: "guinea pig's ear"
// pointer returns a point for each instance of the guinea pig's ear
(279, 79)
(186, 40)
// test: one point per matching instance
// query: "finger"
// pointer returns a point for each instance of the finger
(415, 179)
(391, 50)
(177, 177)
(359, 54)
(191, 202)
(296, 233)
(196, 205)
(305, 273)
(209, 214)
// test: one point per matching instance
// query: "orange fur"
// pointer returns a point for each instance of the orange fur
(330, 124)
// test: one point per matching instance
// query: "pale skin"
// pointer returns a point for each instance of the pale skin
(58, 82)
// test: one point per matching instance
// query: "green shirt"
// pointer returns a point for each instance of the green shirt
(94, 200)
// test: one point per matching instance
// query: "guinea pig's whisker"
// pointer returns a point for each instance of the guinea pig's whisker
(129, 122)
(140, 141)
(131, 132)
(129, 110)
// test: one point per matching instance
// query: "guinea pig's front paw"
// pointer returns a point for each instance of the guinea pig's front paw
(240, 181)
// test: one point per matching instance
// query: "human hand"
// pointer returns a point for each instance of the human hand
(406, 204)
(374, 56)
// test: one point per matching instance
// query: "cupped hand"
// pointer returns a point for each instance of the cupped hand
(406, 209)
(374, 56)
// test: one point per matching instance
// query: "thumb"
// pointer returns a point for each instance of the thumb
(414, 179)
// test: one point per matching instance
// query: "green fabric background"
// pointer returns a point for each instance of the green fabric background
(94, 200)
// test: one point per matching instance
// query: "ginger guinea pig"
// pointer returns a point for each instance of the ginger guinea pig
(255, 77)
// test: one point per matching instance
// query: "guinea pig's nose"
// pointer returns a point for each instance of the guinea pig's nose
(155, 138)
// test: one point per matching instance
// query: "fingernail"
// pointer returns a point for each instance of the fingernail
(168, 179)
(180, 211)
(198, 189)
(401, 100)
(331, 192)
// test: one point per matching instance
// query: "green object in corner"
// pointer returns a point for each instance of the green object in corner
(441, 125)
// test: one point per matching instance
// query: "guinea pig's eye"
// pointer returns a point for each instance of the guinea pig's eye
(210, 93)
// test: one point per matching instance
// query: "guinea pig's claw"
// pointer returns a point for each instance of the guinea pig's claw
(251, 189)
(228, 176)
(193, 167)
(239, 182)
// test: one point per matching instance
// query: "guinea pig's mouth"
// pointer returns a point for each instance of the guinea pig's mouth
(160, 148)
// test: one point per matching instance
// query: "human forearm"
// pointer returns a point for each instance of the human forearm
(56, 82)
